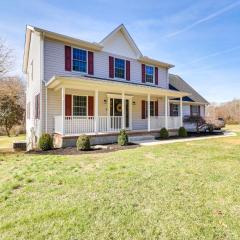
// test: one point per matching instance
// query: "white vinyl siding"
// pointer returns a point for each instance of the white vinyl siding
(55, 65)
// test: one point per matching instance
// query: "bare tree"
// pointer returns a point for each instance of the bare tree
(6, 58)
(230, 111)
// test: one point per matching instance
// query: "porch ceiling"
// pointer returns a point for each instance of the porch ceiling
(88, 83)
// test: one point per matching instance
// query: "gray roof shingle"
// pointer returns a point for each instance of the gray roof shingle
(178, 83)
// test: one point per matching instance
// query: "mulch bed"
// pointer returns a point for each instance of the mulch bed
(95, 149)
(110, 147)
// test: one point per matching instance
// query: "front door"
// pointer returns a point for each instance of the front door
(116, 113)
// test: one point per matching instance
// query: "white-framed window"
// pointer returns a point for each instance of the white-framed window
(119, 68)
(79, 60)
(152, 108)
(80, 105)
(149, 74)
(174, 109)
(195, 110)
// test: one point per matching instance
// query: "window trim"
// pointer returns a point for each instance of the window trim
(198, 111)
(124, 68)
(178, 109)
(147, 65)
(86, 105)
(146, 108)
(86, 60)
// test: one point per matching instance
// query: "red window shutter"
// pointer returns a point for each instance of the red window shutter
(143, 109)
(128, 70)
(156, 76)
(90, 106)
(143, 73)
(90, 63)
(171, 110)
(68, 58)
(111, 67)
(68, 105)
(156, 108)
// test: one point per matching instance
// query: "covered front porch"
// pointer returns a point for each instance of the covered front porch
(98, 107)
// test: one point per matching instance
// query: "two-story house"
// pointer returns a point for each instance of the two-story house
(77, 87)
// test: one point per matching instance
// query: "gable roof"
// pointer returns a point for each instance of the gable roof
(89, 45)
(121, 28)
(178, 84)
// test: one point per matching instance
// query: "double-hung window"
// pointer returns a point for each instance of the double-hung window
(152, 108)
(119, 68)
(149, 74)
(79, 60)
(174, 109)
(195, 110)
(79, 106)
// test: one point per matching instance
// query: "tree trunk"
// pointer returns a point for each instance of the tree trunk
(7, 131)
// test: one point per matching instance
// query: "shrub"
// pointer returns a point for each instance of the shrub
(83, 143)
(164, 133)
(182, 132)
(123, 138)
(45, 142)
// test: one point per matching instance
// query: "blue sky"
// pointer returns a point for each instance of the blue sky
(201, 38)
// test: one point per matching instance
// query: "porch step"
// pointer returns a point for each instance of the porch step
(140, 138)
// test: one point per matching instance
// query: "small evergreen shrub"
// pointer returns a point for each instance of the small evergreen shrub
(45, 142)
(83, 143)
(182, 132)
(164, 133)
(123, 138)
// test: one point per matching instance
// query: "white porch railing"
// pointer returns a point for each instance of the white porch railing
(174, 122)
(157, 122)
(87, 124)
(74, 125)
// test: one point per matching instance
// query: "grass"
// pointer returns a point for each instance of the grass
(6, 142)
(178, 191)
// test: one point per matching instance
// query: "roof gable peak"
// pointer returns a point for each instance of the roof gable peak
(121, 32)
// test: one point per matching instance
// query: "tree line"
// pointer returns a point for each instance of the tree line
(12, 93)
(229, 111)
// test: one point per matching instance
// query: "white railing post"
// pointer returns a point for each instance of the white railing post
(123, 110)
(181, 112)
(166, 112)
(96, 119)
(148, 111)
(63, 110)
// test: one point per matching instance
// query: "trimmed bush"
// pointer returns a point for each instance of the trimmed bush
(45, 142)
(164, 133)
(123, 138)
(182, 132)
(83, 143)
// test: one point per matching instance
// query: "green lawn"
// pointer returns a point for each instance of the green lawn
(178, 191)
(6, 142)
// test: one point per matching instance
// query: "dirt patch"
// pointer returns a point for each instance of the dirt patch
(95, 149)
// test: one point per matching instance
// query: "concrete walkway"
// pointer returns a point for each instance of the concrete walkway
(156, 142)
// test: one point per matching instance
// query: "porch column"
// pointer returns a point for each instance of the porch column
(181, 113)
(96, 119)
(148, 111)
(63, 110)
(166, 112)
(123, 110)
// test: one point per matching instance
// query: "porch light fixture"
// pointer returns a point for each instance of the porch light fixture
(105, 101)
(134, 103)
